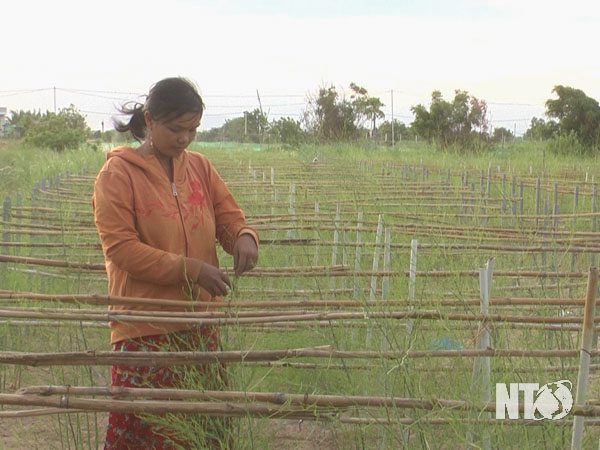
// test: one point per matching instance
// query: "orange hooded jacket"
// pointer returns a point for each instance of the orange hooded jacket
(156, 234)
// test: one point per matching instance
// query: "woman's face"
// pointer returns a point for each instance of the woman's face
(172, 137)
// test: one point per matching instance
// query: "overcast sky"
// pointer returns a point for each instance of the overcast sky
(98, 54)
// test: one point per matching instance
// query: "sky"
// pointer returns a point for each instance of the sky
(98, 55)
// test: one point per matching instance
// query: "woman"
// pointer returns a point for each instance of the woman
(159, 209)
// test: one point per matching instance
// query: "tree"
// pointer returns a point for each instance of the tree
(575, 112)
(539, 129)
(257, 125)
(287, 131)
(330, 118)
(61, 131)
(24, 120)
(501, 134)
(249, 128)
(401, 131)
(366, 107)
(461, 122)
(233, 130)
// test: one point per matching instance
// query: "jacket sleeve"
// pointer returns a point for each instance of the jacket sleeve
(114, 215)
(230, 220)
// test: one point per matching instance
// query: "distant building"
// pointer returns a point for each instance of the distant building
(6, 128)
(3, 120)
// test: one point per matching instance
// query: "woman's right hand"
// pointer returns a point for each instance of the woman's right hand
(214, 280)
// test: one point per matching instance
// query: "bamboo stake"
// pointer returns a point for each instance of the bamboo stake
(584, 357)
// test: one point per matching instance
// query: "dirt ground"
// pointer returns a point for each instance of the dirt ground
(39, 433)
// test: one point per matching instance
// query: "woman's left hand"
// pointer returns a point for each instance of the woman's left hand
(245, 254)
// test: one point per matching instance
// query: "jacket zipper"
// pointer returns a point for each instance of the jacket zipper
(174, 190)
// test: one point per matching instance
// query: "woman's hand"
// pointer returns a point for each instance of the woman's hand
(245, 254)
(214, 280)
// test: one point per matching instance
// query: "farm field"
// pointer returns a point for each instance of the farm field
(364, 311)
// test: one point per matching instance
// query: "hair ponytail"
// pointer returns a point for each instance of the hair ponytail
(136, 125)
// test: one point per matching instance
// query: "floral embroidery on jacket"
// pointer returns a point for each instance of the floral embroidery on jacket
(145, 212)
(197, 204)
(193, 206)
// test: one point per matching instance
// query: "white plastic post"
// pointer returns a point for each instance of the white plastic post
(387, 264)
(345, 240)
(412, 280)
(317, 235)
(555, 208)
(292, 210)
(274, 199)
(358, 255)
(376, 255)
(594, 209)
(481, 381)
(336, 240)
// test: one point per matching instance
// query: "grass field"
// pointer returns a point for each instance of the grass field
(461, 210)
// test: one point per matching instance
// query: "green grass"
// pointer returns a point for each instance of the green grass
(356, 182)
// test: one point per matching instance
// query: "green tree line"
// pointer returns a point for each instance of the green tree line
(571, 123)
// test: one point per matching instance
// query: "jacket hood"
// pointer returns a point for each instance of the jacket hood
(149, 163)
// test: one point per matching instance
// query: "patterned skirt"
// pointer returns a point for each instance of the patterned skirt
(169, 431)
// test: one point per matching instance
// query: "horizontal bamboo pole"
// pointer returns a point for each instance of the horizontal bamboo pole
(152, 314)
(53, 324)
(39, 209)
(225, 318)
(144, 359)
(60, 219)
(98, 299)
(279, 398)
(61, 200)
(305, 242)
(49, 245)
(340, 418)
(48, 232)
(37, 226)
(307, 271)
(51, 263)
(261, 404)
(278, 327)
(286, 327)
(437, 368)
(465, 232)
(21, 413)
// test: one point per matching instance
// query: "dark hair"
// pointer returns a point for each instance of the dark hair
(167, 100)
